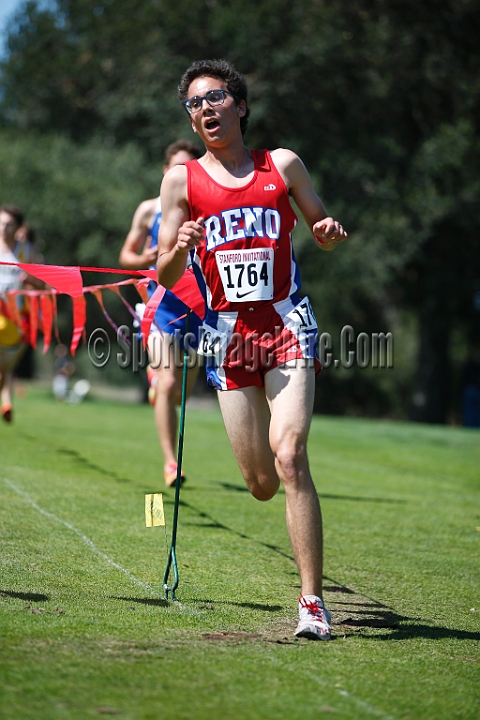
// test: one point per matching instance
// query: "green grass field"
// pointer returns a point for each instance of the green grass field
(85, 631)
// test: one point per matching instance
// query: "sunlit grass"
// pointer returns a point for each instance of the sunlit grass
(86, 632)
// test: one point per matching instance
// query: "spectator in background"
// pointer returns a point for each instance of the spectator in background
(63, 369)
(12, 278)
(25, 367)
(26, 233)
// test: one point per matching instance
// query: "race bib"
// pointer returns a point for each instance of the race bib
(302, 316)
(212, 341)
(247, 275)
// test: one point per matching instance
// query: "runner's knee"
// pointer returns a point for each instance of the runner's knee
(167, 384)
(262, 487)
(291, 461)
(263, 493)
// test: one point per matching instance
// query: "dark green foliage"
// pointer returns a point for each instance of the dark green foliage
(79, 197)
(381, 100)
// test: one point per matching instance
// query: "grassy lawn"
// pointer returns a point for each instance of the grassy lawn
(85, 631)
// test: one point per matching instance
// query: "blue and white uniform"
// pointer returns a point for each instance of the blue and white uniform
(171, 313)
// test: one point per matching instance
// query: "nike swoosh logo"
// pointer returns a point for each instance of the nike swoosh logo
(244, 294)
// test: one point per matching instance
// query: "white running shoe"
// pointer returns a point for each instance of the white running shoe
(315, 619)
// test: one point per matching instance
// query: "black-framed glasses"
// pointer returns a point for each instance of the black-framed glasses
(213, 97)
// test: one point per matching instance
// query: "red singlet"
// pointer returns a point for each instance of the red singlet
(247, 258)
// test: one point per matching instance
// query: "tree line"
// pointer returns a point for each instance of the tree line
(379, 97)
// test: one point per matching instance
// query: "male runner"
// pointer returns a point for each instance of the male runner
(138, 252)
(231, 211)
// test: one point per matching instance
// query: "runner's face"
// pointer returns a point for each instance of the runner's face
(218, 123)
(182, 156)
(8, 227)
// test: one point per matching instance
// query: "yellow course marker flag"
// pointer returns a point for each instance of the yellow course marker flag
(154, 514)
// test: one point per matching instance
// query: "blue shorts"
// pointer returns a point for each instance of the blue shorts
(171, 318)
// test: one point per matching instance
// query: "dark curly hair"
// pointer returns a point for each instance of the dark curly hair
(221, 69)
(15, 212)
(180, 145)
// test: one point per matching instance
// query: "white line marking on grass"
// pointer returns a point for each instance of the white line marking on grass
(364, 705)
(344, 693)
(349, 696)
(85, 539)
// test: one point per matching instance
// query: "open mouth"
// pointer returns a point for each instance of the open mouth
(212, 124)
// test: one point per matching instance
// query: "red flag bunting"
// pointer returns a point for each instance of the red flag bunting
(186, 289)
(47, 318)
(13, 311)
(98, 294)
(68, 280)
(33, 320)
(150, 311)
(55, 318)
(79, 319)
(141, 286)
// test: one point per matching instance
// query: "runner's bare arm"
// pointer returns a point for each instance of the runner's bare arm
(178, 234)
(138, 239)
(326, 230)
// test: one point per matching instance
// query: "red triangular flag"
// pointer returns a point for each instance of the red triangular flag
(33, 320)
(47, 319)
(66, 280)
(79, 319)
(150, 311)
(141, 286)
(187, 290)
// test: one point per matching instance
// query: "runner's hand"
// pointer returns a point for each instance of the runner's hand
(149, 255)
(328, 232)
(190, 235)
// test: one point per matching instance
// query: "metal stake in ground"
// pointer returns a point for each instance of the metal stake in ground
(172, 556)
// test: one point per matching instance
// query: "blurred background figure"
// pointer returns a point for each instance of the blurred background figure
(63, 369)
(12, 277)
(79, 392)
(140, 251)
(26, 233)
(25, 367)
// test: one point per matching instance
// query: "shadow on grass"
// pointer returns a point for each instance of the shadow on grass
(353, 498)
(405, 628)
(158, 602)
(213, 523)
(411, 630)
(210, 604)
(359, 611)
(81, 460)
(235, 488)
(356, 614)
(33, 597)
(91, 466)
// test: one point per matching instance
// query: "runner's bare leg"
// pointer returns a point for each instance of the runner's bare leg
(269, 441)
(290, 392)
(169, 367)
(246, 416)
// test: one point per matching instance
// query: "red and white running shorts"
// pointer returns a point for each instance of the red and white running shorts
(241, 347)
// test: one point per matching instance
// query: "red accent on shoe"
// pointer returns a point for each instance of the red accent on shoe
(170, 475)
(7, 412)
(315, 619)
